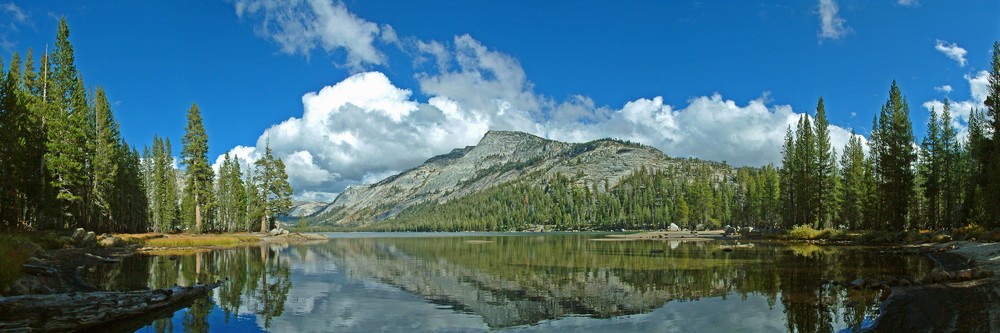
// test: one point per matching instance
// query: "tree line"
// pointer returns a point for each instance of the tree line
(891, 184)
(943, 183)
(64, 163)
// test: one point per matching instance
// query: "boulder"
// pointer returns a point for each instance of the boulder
(858, 283)
(964, 275)
(88, 240)
(78, 234)
(111, 241)
(284, 232)
(938, 275)
(274, 232)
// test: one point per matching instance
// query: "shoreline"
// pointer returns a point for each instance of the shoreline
(948, 301)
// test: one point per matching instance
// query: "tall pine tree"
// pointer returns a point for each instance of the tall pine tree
(892, 147)
(194, 154)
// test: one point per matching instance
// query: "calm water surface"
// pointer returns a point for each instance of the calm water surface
(386, 282)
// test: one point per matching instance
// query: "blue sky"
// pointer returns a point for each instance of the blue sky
(349, 92)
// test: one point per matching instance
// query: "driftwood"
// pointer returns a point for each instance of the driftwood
(88, 310)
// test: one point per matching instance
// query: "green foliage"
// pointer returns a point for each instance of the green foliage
(273, 193)
(805, 232)
(231, 196)
(63, 159)
(194, 155)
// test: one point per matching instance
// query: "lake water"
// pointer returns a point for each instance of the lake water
(398, 282)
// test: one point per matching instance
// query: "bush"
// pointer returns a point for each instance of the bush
(805, 232)
(971, 231)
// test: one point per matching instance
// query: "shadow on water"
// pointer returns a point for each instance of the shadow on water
(532, 282)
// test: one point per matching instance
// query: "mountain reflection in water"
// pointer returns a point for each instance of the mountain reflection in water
(477, 282)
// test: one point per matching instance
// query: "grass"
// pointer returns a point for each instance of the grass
(14, 252)
(191, 240)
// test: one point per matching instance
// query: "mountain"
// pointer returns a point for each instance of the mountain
(306, 208)
(500, 158)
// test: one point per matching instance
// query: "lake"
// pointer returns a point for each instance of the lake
(458, 282)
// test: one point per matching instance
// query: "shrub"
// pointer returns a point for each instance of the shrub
(970, 231)
(805, 232)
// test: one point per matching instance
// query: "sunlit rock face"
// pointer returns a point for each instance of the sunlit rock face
(500, 157)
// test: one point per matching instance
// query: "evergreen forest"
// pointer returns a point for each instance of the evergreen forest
(64, 163)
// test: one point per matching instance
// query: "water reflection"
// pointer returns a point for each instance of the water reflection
(532, 282)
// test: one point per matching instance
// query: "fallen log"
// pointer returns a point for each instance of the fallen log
(87, 310)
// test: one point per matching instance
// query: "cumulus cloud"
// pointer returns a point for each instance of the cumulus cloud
(365, 128)
(952, 50)
(301, 26)
(945, 88)
(978, 90)
(830, 23)
(908, 3)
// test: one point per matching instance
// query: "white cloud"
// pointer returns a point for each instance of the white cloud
(945, 88)
(908, 3)
(365, 128)
(952, 50)
(15, 13)
(960, 110)
(830, 23)
(16, 17)
(301, 26)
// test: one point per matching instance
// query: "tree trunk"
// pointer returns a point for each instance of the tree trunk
(197, 214)
(263, 223)
(82, 311)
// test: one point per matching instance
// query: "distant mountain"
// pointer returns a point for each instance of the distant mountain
(306, 208)
(500, 157)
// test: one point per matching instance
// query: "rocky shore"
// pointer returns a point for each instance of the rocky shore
(960, 295)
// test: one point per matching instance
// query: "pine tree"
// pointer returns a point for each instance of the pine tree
(975, 161)
(991, 149)
(826, 169)
(275, 193)
(853, 172)
(106, 161)
(66, 143)
(892, 145)
(930, 168)
(804, 174)
(787, 192)
(199, 174)
(950, 170)
(231, 195)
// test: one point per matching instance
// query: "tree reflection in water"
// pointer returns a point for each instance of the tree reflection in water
(259, 279)
(518, 281)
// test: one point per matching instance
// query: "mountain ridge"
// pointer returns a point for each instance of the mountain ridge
(500, 157)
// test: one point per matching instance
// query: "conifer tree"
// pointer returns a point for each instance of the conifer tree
(853, 172)
(787, 189)
(950, 170)
(894, 157)
(105, 160)
(826, 169)
(199, 174)
(66, 155)
(275, 193)
(991, 148)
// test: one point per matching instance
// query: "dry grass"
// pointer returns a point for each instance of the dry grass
(191, 240)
